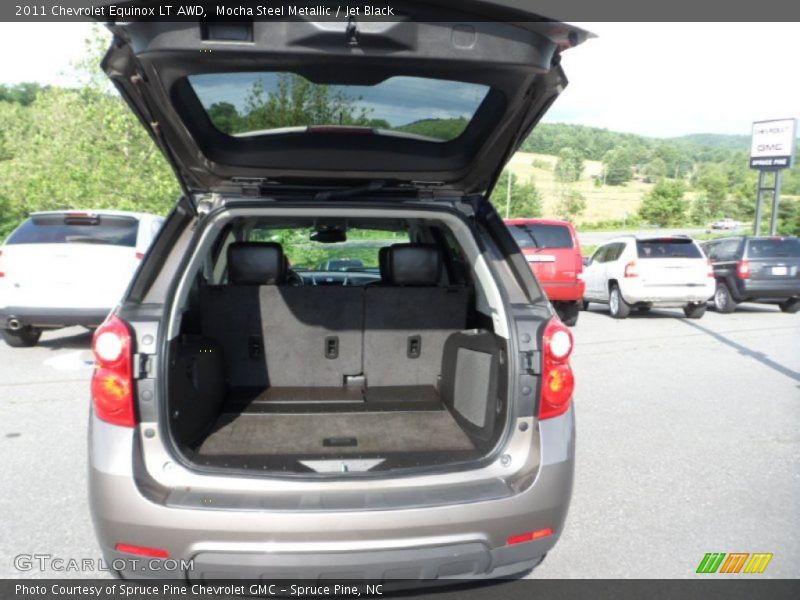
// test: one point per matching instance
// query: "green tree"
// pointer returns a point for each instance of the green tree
(295, 102)
(526, 200)
(569, 166)
(571, 205)
(664, 204)
(617, 166)
(655, 170)
(225, 117)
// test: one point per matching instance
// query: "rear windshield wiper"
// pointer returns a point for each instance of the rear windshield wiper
(358, 190)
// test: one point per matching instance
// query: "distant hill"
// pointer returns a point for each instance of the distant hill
(441, 129)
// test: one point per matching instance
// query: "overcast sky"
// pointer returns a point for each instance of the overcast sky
(658, 79)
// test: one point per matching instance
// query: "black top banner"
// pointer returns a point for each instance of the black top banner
(387, 10)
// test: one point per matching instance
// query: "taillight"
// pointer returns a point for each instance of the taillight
(710, 267)
(743, 269)
(139, 255)
(2, 273)
(557, 380)
(112, 381)
(631, 270)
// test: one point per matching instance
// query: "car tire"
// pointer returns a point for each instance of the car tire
(790, 306)
(695, 311)
(617, 305)
(584, 305)
(723, 300)
(568, 313)
(21, 338)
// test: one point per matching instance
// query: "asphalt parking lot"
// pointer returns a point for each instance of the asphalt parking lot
(688, 442)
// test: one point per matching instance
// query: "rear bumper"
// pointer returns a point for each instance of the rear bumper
(571, 291)
(750, 289)
(667, 295)
(52, 317)
(465, 540)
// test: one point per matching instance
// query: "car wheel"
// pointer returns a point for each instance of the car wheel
(695, 311)
(583, 305)
(21, 338)
(723, 301)
(619, 308)
(568, 313)
(790, 306)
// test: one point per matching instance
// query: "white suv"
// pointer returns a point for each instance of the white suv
(630, 272)
(67, 268)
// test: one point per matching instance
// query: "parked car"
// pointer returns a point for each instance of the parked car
(726, 224)
(755, 269)
(641, 272)
(63, 268)
(421, 427)
(551, 248)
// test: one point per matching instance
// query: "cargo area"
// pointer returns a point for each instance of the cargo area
(399, 372)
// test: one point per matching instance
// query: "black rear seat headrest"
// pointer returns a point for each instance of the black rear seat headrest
(256, 263)
(412, 264)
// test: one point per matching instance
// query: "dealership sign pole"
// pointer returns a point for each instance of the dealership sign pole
(772, 149)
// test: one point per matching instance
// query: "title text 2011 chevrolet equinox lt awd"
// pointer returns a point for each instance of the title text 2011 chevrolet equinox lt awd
(334, 361)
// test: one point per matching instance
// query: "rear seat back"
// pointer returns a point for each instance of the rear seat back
(231, 315)
(312, 334)
(409, 317)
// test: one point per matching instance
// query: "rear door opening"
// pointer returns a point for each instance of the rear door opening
(374, 352)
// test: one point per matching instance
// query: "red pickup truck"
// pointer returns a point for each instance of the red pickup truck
(554, 254)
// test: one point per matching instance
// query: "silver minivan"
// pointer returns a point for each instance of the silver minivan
(334, 361)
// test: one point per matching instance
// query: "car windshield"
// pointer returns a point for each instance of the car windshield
(63, 229)
(244, 104)
(358, 254)
(538, 235)
(666, 248)
(786, 247)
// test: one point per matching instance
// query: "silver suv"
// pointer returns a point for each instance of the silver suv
(260, 413)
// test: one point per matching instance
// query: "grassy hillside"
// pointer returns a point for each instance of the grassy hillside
(602, 203)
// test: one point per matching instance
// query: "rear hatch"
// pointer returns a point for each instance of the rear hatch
(671, 261)
(436, 100)
(774, 260)
(550, 249)
(70, 260)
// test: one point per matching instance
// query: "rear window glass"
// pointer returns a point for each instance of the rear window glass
(114, 231)
(542, 236)
(667, 249)
(789, 247)
(261, 103)
(358, 253)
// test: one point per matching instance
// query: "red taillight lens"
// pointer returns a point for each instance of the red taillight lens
(558, 382)
(142, 550)
(710, 268)
(631, 270)
(139, 255)
(529, 536)
(112, 381)
(743, 269)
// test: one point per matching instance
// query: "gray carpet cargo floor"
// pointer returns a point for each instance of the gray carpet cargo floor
(238, 434)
